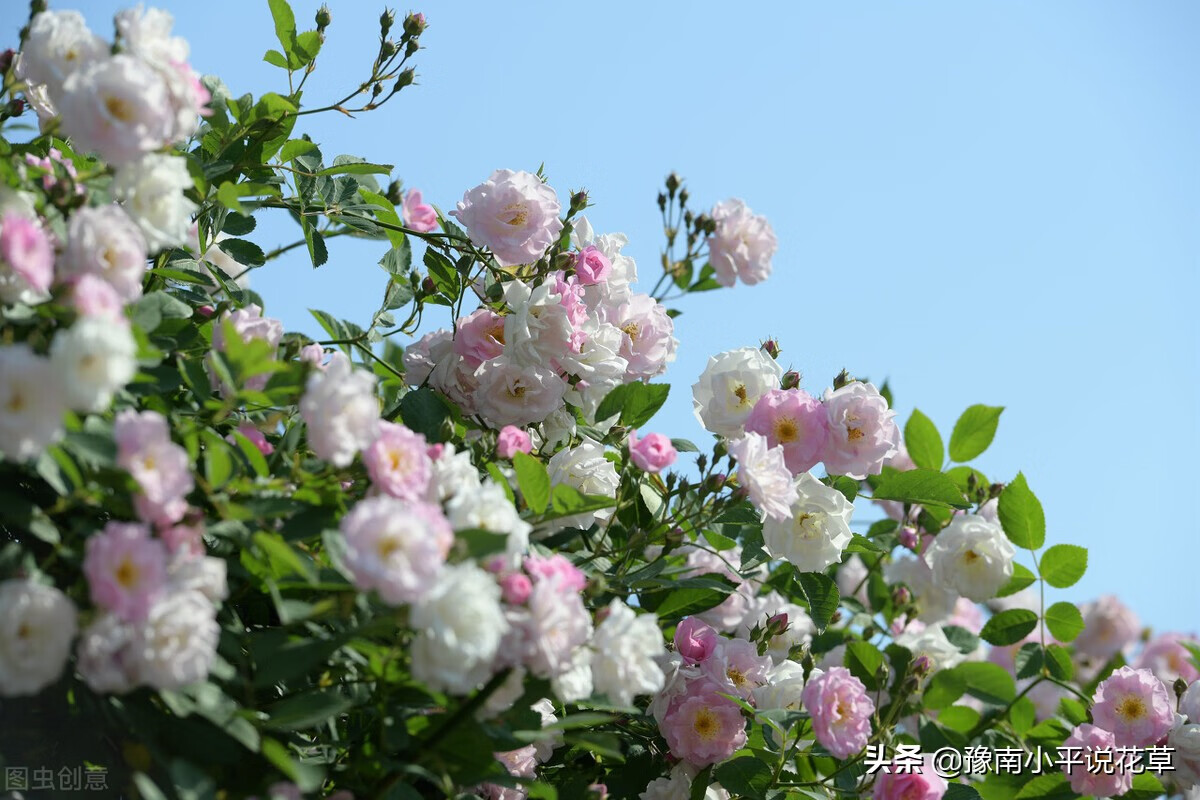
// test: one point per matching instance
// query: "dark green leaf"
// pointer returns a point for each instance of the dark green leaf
(864, 661)
(1009, 627)
(960, 791)
(307, 710)
(635, 402)
(1058, 661)
(1050, 786)
(823, 597)
(246, 253)
(745, 776)
(424, 412)
(682, 603)
(357, 168)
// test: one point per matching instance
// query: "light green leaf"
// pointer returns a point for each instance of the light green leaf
(923, 441)
(1064, 564)
(533, 480)
(974, 431)
(1064, 621)
(924, 486)
(1021, 515)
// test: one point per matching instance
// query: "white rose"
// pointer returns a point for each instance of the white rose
(37, 624)
(101, 655)
(119, 108)
(585, 468)
(510, 394)
(575, 682)
(783, 690)
(553, 626)
(818, 531)
(59, 44)
(730, 385)
(935, 601)
(537, 331)
(459, 626)
(105, 242)
(487, 507)
(146, 32)
(558, 428)
(624, 652)
(152, 193)
(177, 643)
(1189, 703)
(341, 410)
(93, 359)
(453, 474)
(203, 574)
(931, 641)
(1185, 740)
(972, 556)
(31, 403)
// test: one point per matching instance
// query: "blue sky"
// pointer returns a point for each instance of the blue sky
(990, 203)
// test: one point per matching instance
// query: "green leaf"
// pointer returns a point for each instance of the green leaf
(246, 253)
(285, 23)
(398, 260)
(1063, 565)
(307, 776)
(746, 776)
(685, 602)
(1072, 710)
(1021, 515)
(1145, 787)
(151, 310)
(357, 168)
(1050, 786)
(823, 597)
(974, 431)
(684, 446)
(1009, 627)
(700, 784)
(1028, 660)
(1058, 661)
(276, 59)
(960, 791)
(924, 486)
(567, 501)
(635, 402)
(989, 682)
(424, 412)
(1022, 577)
(1064, 621)
(252, 454)
(295, 147)
(923, 441)
(864, 660)
(218, 466)
(307, 710)
(533, 480)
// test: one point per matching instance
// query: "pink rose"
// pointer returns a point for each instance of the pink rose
(313, 354)
(418, 215)
(570, 578)
(513, 214)
(161, 468)
(396, 548)
(923, 784)
(92, 296)
(794, 420)
(653, 453)
(26, 259)
(398, 462)
(840, 710)
(862, 431)
(1088, 776)
(694, 640)
(516, 588)
(1135, 706)
(126, 569)
(705, 727)
(742, 246)
(592, 266)
(255, 436)
(512, 440)
(1168, 659)
(479, 336)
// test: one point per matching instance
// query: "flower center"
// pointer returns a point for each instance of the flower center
(740, 392)
(497, 332)
(126, 574)
(786, 430)
(1131, 709)
(633, 329)
(386, 547)
(736, 676)
(16, 403)
(24, 631)
(970, 557)
(515, 215)
(854, 434)
(517, 391)
(706, 724)
(119, 108)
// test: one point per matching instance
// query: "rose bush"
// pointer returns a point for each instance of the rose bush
(239, 562)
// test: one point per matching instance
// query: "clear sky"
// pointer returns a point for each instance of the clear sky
(991, 203)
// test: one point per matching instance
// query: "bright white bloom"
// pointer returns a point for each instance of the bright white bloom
(819, 528)
(59, 44)
(459, 626)
(742, 246)
(396, 548)
(37, 624)
(93, 359)
(575, 682)
(105, 242)
(763, 473)
(729, 387)
(783, 690)
(453, 473)
(513, 214)
(678, 786)
(649, 343)
(972, 556)
(341, 410)
(599, 360)
(624, 652)
(553, 626)
(203, 574)
(931, 641)
(558, 428)
(585, 468)
(119, 107)
(146, 32)
(935, 600)
(151, 191)
(31, 403)
(177, 643)
(510, 394)
(537, 332)
(101, 656)
(487, 507)
(1184, 738)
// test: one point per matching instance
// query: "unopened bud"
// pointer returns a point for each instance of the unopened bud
(740, 494)
(387, 50)
(206, 311)
(777, 625)
(405, 78)
(579, 201)
(701, 461)
(1180, 687)
(428, 286)
(597, 791)
(674, 538)
(414, 25)
(395, 193)
(836, 617)
(562, 261)
(921, 666)
(715, 482)
(719, 450)
(772, 348)
(6, 59)
(411, 48)
(790, 380)
(908, 537)
(376, 90)
(662, 202)
(842, 379)
(901, 596)
(16, 107)
(386, 20)
(683, 196)
(324, 17)
(672, 184)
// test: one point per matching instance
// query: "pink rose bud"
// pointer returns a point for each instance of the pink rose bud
(435, 451)
(777, 625)
(206, 311)
(908, 537)
(516, 588)
(512, 440)
(695, 640)
(592, 266)
(901, 596)
(922, 666)
(597, 791)
(772, 348)
(790, 380)
(653, 453)
(418, 215)
(314, 354)
(255, 436)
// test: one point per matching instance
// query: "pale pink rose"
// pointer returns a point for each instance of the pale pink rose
(653, 453)
(341, 410)
(763, 473)
(862, 431)
(520, 763)
(396, 548)
(161, 468)
(479, 336)
(922, 784)
(794, 420)
(735, 665)
(571, 291)
(422, 356)
(104, 241)
(513, 214)
(92, 296)
(516, 588)
(592, 266)
(126, 569)
(1109, 626)
(742, 246)
(249, 323)
(26, 259)
(549, 629)
(694, 640)
(398, 463)
(119, 107)
(59, 43)
(184, 539)
(255, 436)
(1099, 748)
(313, 354)
(557, 569)
(510, 394)
(512, 440)
(649, 343)
(705, 727)
(1168, 659)
(1135, 706)
(840, 710)
(418, 215)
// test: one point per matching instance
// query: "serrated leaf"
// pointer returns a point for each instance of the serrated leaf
(864, 661)
(1064, 621)
(923, 486)
(923, 441)
(823, 597)
(745, 776)
(1063, 565)
(243, 252)
(635, 402)
(1022, 577)
(974, 431)
(1021, 515)
(1009, 626)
